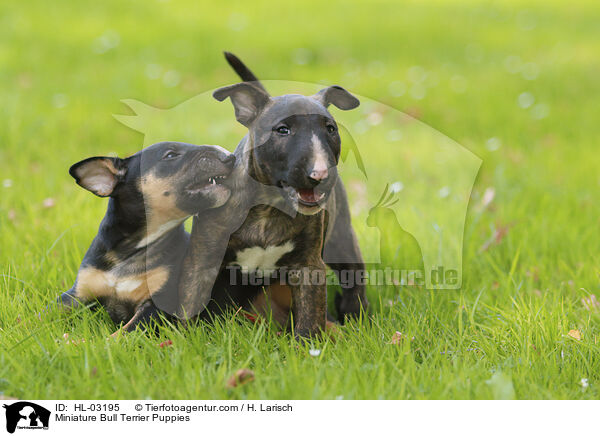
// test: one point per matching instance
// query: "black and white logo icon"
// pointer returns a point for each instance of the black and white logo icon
(26, 415)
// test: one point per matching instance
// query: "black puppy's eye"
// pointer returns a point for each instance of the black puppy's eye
(170, 155)
(331, 128)
(283, 130)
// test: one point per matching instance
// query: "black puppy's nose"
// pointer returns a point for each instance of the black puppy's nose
(229, 160)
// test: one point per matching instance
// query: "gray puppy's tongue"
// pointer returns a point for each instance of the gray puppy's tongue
(310, 195)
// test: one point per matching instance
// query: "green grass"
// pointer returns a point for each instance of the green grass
(503, 334)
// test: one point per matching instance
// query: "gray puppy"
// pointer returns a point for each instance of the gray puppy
(287, 212)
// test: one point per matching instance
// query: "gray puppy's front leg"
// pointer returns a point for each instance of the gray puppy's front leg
(309, 299)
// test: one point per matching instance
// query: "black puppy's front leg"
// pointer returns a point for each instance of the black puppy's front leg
(144, 315)
(309, 299)
(353, 298)
(342, 254)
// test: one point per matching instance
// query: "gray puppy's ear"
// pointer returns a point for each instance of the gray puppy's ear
(99, 175)
(337, 96)
(248, 100)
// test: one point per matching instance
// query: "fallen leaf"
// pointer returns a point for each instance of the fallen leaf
(575, 334)
(3, 398)
(396, 339)
(241, 377)
(93, 372)
(12, 215)
(166, 343)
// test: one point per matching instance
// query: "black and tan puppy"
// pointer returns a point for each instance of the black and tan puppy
(286, 162)
(132, 267)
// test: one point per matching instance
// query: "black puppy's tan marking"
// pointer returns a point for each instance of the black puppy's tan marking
(133, 264)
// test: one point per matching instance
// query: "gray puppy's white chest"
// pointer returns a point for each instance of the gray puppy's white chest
(261, 260)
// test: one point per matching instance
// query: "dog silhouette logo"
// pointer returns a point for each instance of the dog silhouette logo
(26, 415)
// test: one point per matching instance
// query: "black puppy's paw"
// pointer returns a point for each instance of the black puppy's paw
(349, 305)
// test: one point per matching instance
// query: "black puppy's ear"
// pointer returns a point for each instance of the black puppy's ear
(337, 96)
(99, 175)
(248, 100)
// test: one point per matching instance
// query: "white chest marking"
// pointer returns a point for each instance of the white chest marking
(159, 232)
(127, 286)
(262, 260)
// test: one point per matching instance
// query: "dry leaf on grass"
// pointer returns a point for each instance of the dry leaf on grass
(575, 334)
(397, 338)
(166, 343)
(241, 377)
(3, 398)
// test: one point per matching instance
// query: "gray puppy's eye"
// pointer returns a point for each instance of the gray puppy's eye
(170, 155)
(283, 130)
(331, 128)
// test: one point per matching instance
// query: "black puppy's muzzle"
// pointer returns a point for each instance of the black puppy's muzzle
(228, 160)
(208, 168)
(215, 163)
